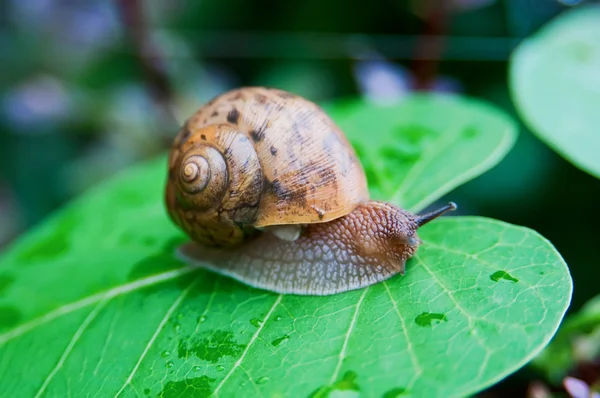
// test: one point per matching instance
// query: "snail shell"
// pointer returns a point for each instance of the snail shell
(272, 194)
(254, 158)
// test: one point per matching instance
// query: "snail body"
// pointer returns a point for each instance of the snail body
(271, 193)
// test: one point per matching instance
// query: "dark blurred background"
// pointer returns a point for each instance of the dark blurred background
(89, 88)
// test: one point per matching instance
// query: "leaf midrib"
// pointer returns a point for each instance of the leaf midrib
(74, 340)
(159, 329)
(95, 298)
(252, 340)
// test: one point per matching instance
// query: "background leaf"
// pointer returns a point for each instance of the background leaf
(576, 343)
(421, 147)
(93, 301)
(556, 87)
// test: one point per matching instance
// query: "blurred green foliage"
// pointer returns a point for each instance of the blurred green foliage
(78, 104)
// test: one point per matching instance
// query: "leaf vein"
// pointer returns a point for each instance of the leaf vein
(90, 300)
(252, 340)
(160, 327)
(409, 346)
(347, 337)
(78, 333)
(467, 314)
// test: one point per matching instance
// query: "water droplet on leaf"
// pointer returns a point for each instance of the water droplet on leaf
(430, 318)
(278, 318)
(263, 380)
(255, 322)
(176, 327)
(202, 319)
(496, 276)
(196, 368)
(220, 368)
(169, 365)
(281, 340)
(394, 392)
(165, 354)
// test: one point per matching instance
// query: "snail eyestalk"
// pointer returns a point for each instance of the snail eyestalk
(425, 218)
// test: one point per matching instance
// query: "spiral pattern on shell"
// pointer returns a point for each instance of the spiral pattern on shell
(203, 176)
(215, 185)
(256, 157)
(195, 174)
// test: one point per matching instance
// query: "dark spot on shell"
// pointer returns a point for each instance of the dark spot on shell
(273, 151)
(261, 98)
(233, 116)
(285, 194)
(246, 163)
(184, 136)
(276, 185)
(327, 176)
(257, 135)
(268, 185)
(203, 136)
(214, 114)
(238, 95)
(244, 214)
(205, 121)
(248, 202)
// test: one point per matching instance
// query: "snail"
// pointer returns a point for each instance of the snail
(271, 193)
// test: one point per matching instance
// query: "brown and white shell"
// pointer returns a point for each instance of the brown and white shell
(262, 157)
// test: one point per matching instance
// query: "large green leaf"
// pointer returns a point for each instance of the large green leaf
(555, 83)
(421, 147)
(93, 302)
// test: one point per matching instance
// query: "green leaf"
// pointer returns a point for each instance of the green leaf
(418, 149)
(94, 302)
(555, 85)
